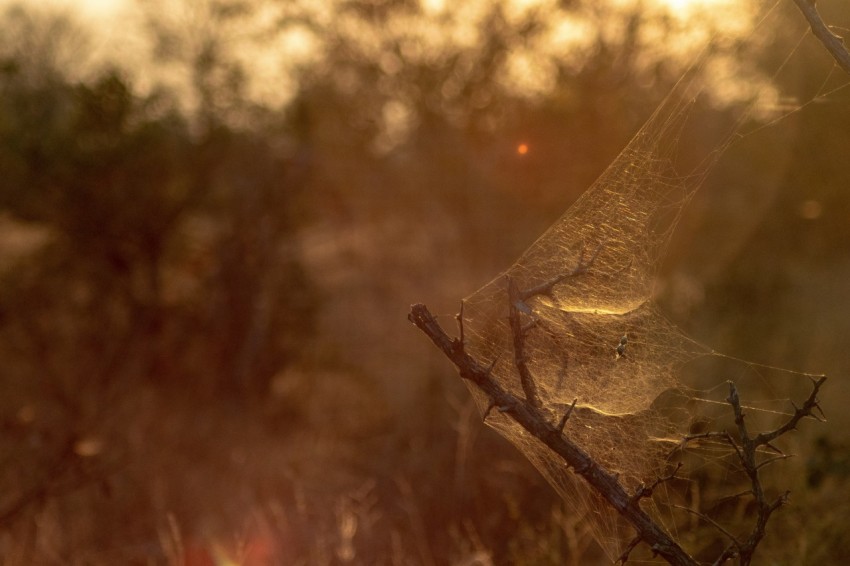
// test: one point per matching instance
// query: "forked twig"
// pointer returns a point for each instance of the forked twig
(747, 448)
(518, 330)
(748, 456)
(624, 556)
(643, 491)
(517, 306)
(807, 410)
(459, 319)
(546, 288)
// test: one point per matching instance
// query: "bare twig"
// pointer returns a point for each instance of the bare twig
(728, 553)
(459, 318)
(520, 357)
(833, 43)
(747, 450)
(563, 422)
(733, 496)
(712, 522)
(646, 491)
(582, 266)
(769, 461)
(488, 409)
(517, 305)
(624, 556)
(719, 435)
(807, 410)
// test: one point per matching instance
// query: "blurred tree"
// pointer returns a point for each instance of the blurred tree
(200, 240)
(165, 258)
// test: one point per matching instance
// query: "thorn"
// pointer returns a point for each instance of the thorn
(774, 448)
(563, 422)
(639, 494)
(487, 411)
(733, 398)
(644, 491)
(655, 550)
(583, 469)
(624, 557)
(780, 501)
(459, 318)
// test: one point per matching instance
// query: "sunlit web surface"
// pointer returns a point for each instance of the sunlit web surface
(582, 293)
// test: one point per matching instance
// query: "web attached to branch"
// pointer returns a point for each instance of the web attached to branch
(571, 326)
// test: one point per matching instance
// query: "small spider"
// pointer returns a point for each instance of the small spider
(621, 347)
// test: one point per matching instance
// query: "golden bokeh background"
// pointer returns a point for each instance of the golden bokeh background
(214, 215)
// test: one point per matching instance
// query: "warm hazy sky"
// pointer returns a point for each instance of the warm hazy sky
(91, 7)
(111, 7)
(118, 37)
(103, 7)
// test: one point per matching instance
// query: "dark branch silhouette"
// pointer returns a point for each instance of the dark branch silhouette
(531, 419)
(528, 414)
(748, 448)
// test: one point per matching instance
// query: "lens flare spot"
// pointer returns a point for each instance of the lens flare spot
(522, 148)
(811, 209)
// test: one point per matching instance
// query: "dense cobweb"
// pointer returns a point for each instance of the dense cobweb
(592, 335)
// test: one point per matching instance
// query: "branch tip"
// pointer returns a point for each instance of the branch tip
(624, 556)
(459, 318)
(519, 330)
(563, 422)
(487, 411)
(643, 491)
(831, 41)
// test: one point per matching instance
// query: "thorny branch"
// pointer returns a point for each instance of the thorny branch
(533, 420)
(531, 415)
(520, 356)
(517, 306)
(605, 483)
(582, 266)
(832, 42)
(747, 448)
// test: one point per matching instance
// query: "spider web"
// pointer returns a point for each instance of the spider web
(581, 295)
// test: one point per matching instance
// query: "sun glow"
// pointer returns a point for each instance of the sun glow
(685, 7)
